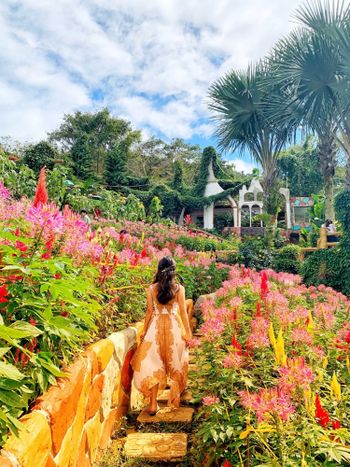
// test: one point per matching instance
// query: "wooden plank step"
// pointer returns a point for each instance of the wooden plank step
(167, 415)
(169, 447)
(164, 396)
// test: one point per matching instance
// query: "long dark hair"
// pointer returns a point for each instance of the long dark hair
(165, 278)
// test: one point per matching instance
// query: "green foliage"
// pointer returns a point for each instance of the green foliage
(196, 243)
(90, 137)
(155, 210)
(116, 172)
(255, 253)
(322, 267)
(299, 165)
(40, 155)
(332, 267)
(82, 157)
(134, 209)
(209, 155)
(56, 187)
(178, 182)
(287, 259)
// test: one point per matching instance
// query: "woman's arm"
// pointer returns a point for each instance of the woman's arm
(183, 314)
(149, 312)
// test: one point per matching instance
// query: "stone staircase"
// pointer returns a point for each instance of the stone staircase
(162, 438)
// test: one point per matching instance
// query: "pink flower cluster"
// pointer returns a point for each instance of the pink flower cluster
(267, 402)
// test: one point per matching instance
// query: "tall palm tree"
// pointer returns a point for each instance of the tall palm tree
(307, 70)
(331, 19)
(238, 102)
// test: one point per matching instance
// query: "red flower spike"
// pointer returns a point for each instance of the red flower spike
(264, 287)
(21, 246)
(258, 310)
(3, 294)
(236, 345)
(32, 321)
(41, 196)
(322, 415)
(336, 424)
(227, 463)
(143, 253)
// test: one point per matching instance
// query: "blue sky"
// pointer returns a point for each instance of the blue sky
(150, 62)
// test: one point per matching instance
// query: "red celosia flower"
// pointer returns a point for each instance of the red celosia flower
(236, 345)
(17, 232)
(57, 275)
(21, 246)
(336, 424)
(3, 294)
(64, 314)
(32, 321)
(46, 255)
(227, 463)
(321, 414)
(13, 278)
(258, 310)
(264, 287)
(143, 253)
(41, 196)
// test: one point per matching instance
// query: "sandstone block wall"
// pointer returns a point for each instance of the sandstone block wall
(74, 420)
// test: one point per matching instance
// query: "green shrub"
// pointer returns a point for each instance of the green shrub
(287, 259)
(322, 267)
(255, 253)
(204, 244)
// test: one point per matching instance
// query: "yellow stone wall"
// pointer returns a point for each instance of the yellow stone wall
(75, 419)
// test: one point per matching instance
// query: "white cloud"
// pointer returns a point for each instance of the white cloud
(244, 166)
(152, 60)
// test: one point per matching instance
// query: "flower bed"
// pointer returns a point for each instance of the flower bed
(273, 373)
(63, 285)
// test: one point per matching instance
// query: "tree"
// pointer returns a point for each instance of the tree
(101, 130)
(178, 182)
(238, 100)
(331, 21)
(82, 157)
(299, 165)
(116, 172)
(308, 67)
(40, 155)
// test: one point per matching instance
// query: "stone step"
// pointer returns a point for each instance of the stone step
(164, 396)
(169, 447)
(167, 415)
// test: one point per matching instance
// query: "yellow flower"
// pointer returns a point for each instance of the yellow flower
(325, 363)
(272, 336)
(309, 399)
(280, 354)
(310, 326)
(348, 364)
(335, 388)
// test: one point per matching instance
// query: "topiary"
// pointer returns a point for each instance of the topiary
(287, 259)
(322, 267)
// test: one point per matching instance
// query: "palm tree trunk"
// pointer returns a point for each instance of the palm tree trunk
(269, 185)
(328, 150)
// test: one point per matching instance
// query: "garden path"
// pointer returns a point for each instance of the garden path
(162, 438)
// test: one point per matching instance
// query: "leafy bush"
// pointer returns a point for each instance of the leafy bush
(255, 253)
(197, 243)
(287, 259)
(332, 267)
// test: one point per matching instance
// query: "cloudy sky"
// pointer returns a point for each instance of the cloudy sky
(150, 61)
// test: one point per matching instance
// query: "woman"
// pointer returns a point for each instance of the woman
(163, 351)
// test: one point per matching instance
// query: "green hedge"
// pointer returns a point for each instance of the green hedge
(287, 259)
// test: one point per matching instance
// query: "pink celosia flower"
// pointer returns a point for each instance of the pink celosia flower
(193, 343)
(295, 374)
(4, 192)
(233, 360)
(258, 337)
(301, 336)
(268, 402)
(210, 400)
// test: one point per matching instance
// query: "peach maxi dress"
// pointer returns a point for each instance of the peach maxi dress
(163, 354)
